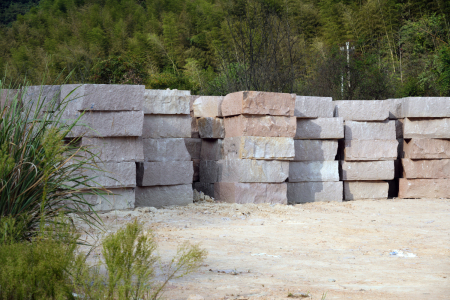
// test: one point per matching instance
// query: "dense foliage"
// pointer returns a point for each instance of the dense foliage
(397, 47)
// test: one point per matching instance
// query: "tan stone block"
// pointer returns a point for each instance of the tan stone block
(170, 149)
(355, 190)
(420, 129)
(212, 149)
(362, 110)
(266, 126)
(426, 149)
(164, 173)
(424, 188)
(253, 147)
(370, 130)
(120, 198)
(429, 169)
(209, 171)
(303, 192)
(115, 149)
(321, 128)
(208, 107)
(160, 196)
(371, 170)
(314, 107)
(366, 150)
(258, 103)
(211, 128)
(166, 102)
(426, 107)
(250, 192)
(113, 175)
(194, 147)
(315, 150)
(167, 126)
(313, 171)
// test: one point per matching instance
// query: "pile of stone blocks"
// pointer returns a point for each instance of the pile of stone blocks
(314, 172)
(369, 149)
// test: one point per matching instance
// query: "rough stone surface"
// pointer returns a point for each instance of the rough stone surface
(372, 170)
(362, 110)
(206, 188)
(194, 127)
(426, 107)
(159, 196)
(314, 107)
(194, 147)
(426, 168)
(122, 198)
(170, 149)
(258, 103)
(7, 96)
(313, 171)
(365, 150)
(212, 149)
(321, 128)
(424, 188)
(250, 192)
(164, 173)
(46, 96)
(426, 149)
(268, 126)
(421, 129)
(117, 149)
(196, 166)
(167, 126)
(208, 107)
(315, 150)
(399, 128)
(370, 130)
(395, 107)
(252, 147)
(303, 192)
(211, 128)
(354, 190)
(166, 102)
(114, 175)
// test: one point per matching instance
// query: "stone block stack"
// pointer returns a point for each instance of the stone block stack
(369, 149)
(314, 172)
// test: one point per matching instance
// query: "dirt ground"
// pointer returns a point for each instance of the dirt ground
(342, 249)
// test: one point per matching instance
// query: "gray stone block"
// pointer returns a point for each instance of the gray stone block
(194, 147)
(206, 188)
(422, 129)
(274, 193)
(354, 190)
(167, 102)
(426, 107)
(300, 171)
(209, 171)
(121, 198)
(314, 107)
(113, 175)
(366, 150)
(164, 173)
(212, 149)
(211, 128)
(362, 110)
(370, 130)
(42, 97)
(208, 107)
(258, 103)
(159, 196)
(321, 128)
(362, 171)
(253, 147)
(165, 150)
(116, 149)
(304, 192)
(7, 96)
(315, 150)
(167, 126)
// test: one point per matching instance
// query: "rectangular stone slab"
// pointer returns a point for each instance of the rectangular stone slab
(121, 198)
(315, 150)
(170, 149)
(304, 192)
(362, 110)
(114, 175)
(366, 150)
(424, 188)
(371, 170)
(166, 102)
(167, 126)
(159, 196)
(321, 128)
(273, 193)
(370, 130)
(426, 107)
(115, 149)
(421, 129)
(212, 149)
(255, 147)
(313, 171)
(194, 147)
(355, 190)
(314, 107)
(395, 108)
(164, 173)
(268, 126)
(426, 168)
(211, 128)
(258, 103)
(206, 188)
(426, 149)
(44, 97)
(208, 107)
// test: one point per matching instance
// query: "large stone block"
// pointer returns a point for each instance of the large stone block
(426, 168)
(426, 107)
(422, 129)
(251, 192)
(168, 150)
(159, 196)
(206, 188)
(116, 149)
(194, 127)
(253, 147)
(315, 150)
(395, 107)
(212, 149)
(41, 97)
(164, 173)
(362, 110)
(258, 103)
(113, 175)
(303, 192)
(354, 190)
(426, 149)
(208, 107)
(166, 102)
(366, 150)
(194, 147)
(371, 170)
(7, 96)
(167, 126)
(313, 171)
(121, 198)
(321, 128)
(370, 130)
(268, 126)
(211, 128)
(424, 188)
(314, 107)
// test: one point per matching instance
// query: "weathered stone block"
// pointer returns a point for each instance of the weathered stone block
(370, 130)
(303, 192)
(365, 150)
(362, 110)
(420, 129)
(208, 107)
(211, 128)
(424, 188)
(314, 107)
(258, 103)
(113, 175)
(121, 198)
(252, 147)
(159, 196)
(164, 173)
(313, 171)
(426, 107)
(315, 150)
(321, 128)
(166, 102)
(116, 149)
(42, 97)
(354, 190)
(372, 170)
(170, 149)
(167, 126)
(7, 96)
(426, 149)
(206, 188)
(194, 147)
(267, 126)
(429, 169)
(250, 192)
(212, 149)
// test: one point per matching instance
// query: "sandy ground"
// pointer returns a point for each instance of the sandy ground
(341, 249)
